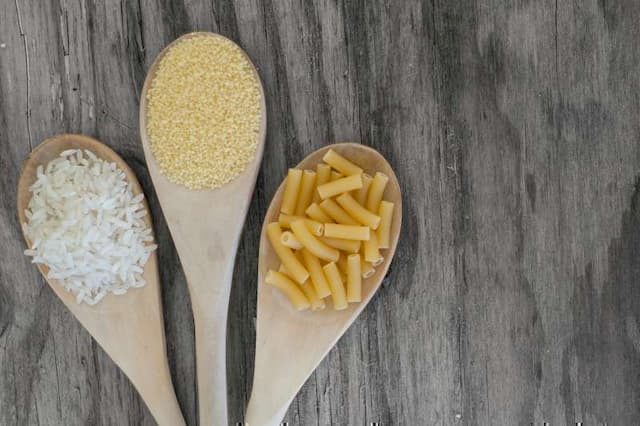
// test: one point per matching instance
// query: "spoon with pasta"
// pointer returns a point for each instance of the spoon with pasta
(324, 252)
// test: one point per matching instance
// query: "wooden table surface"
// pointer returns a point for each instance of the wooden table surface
(514, 130)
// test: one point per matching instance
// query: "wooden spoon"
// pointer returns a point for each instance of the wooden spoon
(205, 226)
(129, 327)
(291, 344)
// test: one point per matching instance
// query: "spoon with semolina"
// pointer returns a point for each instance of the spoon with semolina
(203, 126)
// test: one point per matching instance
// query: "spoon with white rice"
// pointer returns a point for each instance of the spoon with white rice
(88, 231)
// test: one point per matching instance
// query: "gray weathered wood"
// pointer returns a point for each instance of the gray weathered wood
(513, 127)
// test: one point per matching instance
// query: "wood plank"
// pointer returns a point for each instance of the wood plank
(512, 127)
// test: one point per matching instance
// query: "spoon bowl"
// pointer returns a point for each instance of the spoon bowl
(129, 327)
(206, 226)
(291, 344)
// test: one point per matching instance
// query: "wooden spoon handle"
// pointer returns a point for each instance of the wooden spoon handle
(264, 415)
(211, 334)
(210, 285)
(135, 341)
(163, 406)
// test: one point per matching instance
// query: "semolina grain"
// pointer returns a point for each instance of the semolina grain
(204, 112)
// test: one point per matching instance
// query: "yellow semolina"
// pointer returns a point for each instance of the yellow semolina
(204, 112)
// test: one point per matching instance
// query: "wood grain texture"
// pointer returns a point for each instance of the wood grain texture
(513, 128)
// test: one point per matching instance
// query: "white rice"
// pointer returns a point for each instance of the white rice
(85, 224)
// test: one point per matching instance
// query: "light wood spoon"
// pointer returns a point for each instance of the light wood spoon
(205, 226)
(128, 327)
(291, 344)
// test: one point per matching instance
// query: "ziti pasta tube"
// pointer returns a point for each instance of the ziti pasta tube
(354, 278)
(283, 270)
(315, 227)
(367, 269)
(341, 164)
(311, 243)
(371, 252)
(376, 191)
(293, 265)
(342, 264)
(356, 211)
(347, 232)
(361, 194)
(352, 246)
(307, 185)
(288, 239)
(337, 213)
(316, 213)
(338, 294)
(335, 176)
(289, 288)
(317, 304)
(317, 274)
(323, 175)
(384, 230)
(339, 186)
(291, 189)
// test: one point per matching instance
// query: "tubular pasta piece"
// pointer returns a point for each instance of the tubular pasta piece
(289, 288)
(341, 164)
(356, 211)
(311, 243)
(293, 265)
(338, 294)
(339, 186)
(291, 190)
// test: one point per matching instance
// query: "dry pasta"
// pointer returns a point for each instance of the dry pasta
(341, 164)
(307, 186)
(335, 175)
(371, 252)
(283, 270)
(291, 189)
(384, 230)
(334, 216)
(323, 175)
(376, 191)
(311, 243)
(289, 288)
(316, 213)
(354, 278)
(339, 186)
(356, 211)
(342, 264)
(288, 239)
(317, 274)
(337, 213)
(293, 265)
(317, 304)
(316, 228)
(361, 194)
(367, 269)
(338, 294)
(351, 246)
(347, 232)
